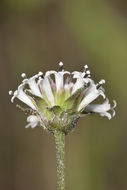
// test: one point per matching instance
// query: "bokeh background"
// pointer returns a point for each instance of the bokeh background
(35, 35)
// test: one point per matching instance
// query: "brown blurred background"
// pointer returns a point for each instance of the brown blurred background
(35, 35)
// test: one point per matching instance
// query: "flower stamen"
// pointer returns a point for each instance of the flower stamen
(61, 66)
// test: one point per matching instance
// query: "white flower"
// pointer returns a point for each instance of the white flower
(32, 121)
(58, 99)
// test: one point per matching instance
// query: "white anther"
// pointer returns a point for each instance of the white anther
(88, 72)
(23, 75)
(61, 64)
(102, 82)
(40, 73)
(10, 92)
(86, 66)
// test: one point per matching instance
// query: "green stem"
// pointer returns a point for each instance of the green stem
(60, 151)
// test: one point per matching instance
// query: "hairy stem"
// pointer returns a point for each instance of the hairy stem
(60, 151)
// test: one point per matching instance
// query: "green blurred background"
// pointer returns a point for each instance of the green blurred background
(35, 35)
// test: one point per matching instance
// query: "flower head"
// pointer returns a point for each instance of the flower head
(57, 100)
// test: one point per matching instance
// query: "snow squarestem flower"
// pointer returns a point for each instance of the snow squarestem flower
(56, 101)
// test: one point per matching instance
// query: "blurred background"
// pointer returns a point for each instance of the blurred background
(35, 35)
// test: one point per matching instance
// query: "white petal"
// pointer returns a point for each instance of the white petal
(47, 89)
(34, 88)
(20, 94)
(79, 84)
(90, 95)
(68, 87)
(113, 113)
(33, 85)
(59, 79)
(77, 74)
(48, 73)
(102, 109)
(81, 81)
(115, 104)
(108, 115)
